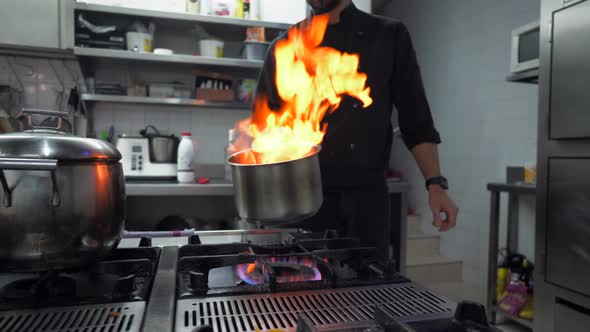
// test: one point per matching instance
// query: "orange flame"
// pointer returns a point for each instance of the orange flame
(311, 81)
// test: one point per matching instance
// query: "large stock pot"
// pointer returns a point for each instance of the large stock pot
(62, 200)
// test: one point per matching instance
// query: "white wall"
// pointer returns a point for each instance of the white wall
(364, 5)
(486, 123)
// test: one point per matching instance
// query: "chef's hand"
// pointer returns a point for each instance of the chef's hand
(440, 202)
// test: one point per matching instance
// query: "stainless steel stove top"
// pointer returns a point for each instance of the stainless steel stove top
(355, 291)
(119, 317)
(329, 307)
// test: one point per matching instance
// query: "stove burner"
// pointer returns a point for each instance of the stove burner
(46, 286)
(286, 270)
(124, 276)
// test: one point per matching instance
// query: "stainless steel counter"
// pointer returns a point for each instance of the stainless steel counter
(217, 187)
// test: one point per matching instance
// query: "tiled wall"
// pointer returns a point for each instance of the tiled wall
(208, 126)
(486, 123)
(42, 81)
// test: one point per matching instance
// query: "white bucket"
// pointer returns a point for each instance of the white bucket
(140, 42)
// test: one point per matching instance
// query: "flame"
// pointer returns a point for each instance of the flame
(254, 273)
(311, 81)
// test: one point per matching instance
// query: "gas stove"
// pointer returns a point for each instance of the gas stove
(110, 294)
(232, 281)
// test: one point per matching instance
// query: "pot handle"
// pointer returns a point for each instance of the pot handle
(28, 165)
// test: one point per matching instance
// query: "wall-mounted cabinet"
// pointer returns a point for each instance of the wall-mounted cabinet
(35, 24)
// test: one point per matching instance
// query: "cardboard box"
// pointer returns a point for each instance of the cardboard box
(215, 95)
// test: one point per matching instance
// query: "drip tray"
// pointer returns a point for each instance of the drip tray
(114, 317)
(407, 302)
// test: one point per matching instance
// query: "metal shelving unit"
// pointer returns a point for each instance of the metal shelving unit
(524, 322)
(103, 53)
(179, 16)
(162, 101)
(514, 191)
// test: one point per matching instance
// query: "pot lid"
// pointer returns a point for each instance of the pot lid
(51, 144)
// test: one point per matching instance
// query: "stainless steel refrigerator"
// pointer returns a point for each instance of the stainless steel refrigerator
(562, 288)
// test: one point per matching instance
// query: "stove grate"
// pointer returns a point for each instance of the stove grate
(265, 312)
(117, 317)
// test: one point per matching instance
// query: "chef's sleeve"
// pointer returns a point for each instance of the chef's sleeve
(409, 97)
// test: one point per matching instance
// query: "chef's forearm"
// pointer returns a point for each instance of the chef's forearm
(426, 155)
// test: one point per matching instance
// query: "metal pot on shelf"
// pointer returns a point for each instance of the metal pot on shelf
(62, 200)
(277, 194)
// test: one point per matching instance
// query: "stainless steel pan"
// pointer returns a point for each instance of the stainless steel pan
(277, 194)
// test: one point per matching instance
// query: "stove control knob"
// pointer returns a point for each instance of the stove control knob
(390, 269)
(471, 312)
(194, 239)
(199, 282)
(330, 234)
(126, 285)
(145, 242)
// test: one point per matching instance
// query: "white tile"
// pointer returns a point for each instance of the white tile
(49, 96)
(159, 119)
(30, 94)
(25, 68)
(181, 121)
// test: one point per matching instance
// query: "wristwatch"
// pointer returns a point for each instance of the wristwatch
(439, 180)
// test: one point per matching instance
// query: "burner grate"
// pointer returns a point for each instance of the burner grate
(118, 317)
(265, 312)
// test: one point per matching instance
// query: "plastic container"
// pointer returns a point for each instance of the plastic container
(140, 42)
(255, 50)
(211, 48)
(193, 6)
(186, 155)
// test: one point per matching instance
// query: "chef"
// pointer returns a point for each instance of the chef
(357, 144)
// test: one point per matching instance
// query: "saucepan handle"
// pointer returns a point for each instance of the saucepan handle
(28, 165)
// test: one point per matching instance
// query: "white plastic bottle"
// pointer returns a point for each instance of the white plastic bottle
(186, 155)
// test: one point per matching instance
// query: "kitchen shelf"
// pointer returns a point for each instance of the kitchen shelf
(530, 77)
(162, 101)
(518, 187)
(103, 53)
(179, 16)
(521, 321)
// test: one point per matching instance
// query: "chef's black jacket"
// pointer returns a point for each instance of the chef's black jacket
(356, 147)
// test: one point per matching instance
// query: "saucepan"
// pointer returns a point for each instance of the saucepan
(280, 193)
